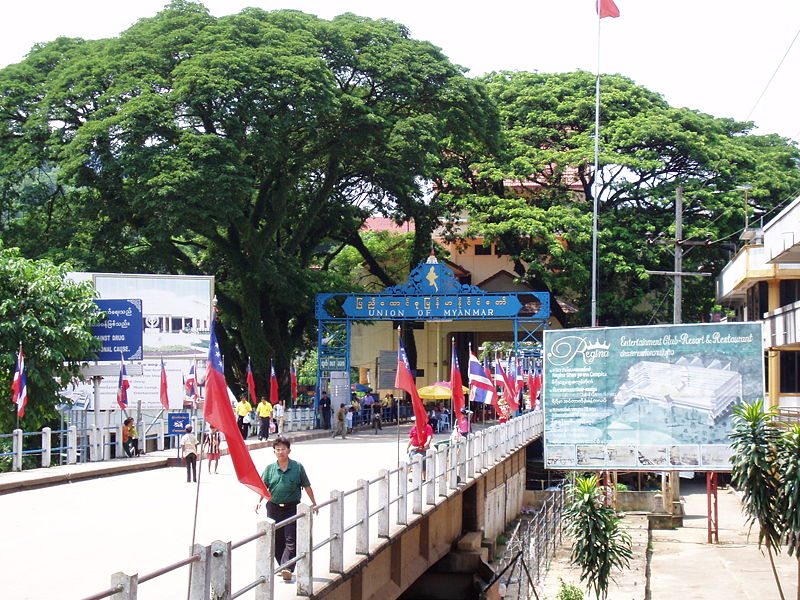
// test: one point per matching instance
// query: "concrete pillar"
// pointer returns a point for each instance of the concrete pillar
(46, 446)
(305, 545)
(362, 517)
(385, 501)
(199, 575)
(265, 560)
(220, 569)
(129, 585)
(337, 532)
(72, 445)
(16, 445)
(773, 356)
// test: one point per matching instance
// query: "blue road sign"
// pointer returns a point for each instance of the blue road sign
(121, 332)
(177, 423)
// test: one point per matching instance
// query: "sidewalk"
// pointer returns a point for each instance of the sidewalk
(683, 564)
(34, 478)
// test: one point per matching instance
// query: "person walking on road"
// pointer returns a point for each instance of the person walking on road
(264, 418)
(325, 410)
(419, 444)
(189, 454)
(126, 437)
(285, 479)
(341, 416)
(243, 409)
(211, 443)
(277, 414)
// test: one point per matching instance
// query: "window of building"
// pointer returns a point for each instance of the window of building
(790, 291)
(481, 250)
(790, 372)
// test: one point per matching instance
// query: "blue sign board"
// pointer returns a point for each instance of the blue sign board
(177, 422)
(466, 306)
(121, 332)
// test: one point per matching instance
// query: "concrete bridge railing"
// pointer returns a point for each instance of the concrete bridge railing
(343, 528)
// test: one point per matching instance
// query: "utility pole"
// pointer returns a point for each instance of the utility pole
(678, 243)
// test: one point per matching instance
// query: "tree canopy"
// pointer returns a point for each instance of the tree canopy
(534, 197)
(249, 146)
(51, 316)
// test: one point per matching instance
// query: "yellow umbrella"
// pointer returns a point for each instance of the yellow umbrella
(438, 391)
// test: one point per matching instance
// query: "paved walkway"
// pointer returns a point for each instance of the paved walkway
(684, 565)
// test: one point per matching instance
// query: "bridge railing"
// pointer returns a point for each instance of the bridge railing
(347, 524)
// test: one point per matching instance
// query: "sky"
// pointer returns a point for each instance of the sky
(715, 56)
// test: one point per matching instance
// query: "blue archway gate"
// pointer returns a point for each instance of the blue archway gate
(431, 293)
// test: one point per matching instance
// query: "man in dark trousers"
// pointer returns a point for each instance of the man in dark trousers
(285, 479)
(325, 410)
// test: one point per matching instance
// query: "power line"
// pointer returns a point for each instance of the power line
(764, 91)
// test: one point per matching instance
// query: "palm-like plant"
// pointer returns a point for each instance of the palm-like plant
(753, 441)
(600, 545)
(788, 501)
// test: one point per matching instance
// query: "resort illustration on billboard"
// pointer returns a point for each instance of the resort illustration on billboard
(647, 398)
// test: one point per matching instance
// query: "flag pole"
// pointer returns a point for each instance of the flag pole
(595, 179)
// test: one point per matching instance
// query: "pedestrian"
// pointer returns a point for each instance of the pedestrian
(348, 419)
(277, 414)
(325, 410)
(243, 408)
(264, 418)
(211, 444)
(189, 454)
(376, 417)
(341, 415)
(285, 479)
(418, 444)
(126, 437)
(134, 435)
(463, 423)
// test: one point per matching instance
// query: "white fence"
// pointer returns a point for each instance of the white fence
(349, 523)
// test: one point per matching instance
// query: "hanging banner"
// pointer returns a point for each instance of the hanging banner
(653, 398)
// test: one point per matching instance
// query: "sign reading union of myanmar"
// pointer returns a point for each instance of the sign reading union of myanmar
(432, 292)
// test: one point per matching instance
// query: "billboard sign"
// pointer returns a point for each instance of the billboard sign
(653, 398)
(121, 333)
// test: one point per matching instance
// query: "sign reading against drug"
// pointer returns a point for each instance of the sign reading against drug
(653, 398)
(121, 332)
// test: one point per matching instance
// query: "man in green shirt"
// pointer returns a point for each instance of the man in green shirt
(285, 479)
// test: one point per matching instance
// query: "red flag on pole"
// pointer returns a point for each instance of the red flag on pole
(456, 386)
(251, 383)
(19, 385)
(273, 385)
(122, 386)
(294, 385)
(404, 380)
(162, 392)
(219, 414)
(508, 387)
(606, 8)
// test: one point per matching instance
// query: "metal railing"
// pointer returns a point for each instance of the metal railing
(531, 547)
(349, 522)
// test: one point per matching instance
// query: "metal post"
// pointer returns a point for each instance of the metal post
(265, 560)
(72, 445)
(220, 570)
(162, 431)
(362, 516)
(337, 532)
(677, 285)
(47, 446)
(305, 545)
(129, 585)
(384, 493)
(199, 574)
(16, 443)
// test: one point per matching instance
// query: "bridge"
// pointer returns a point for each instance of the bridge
(379, 528)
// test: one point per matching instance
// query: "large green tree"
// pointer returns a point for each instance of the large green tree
(51, 316)
(248, 146)
(534, 197)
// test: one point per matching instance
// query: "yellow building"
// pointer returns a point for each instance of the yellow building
(762, 282)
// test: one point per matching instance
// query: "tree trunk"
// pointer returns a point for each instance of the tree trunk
(775, 573)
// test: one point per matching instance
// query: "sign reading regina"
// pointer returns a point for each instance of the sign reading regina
(648, 398)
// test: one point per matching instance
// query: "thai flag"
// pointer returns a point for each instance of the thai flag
(162, 392)
(19, 385)
(122, 386)
(218, 414)
(481, 386)
(251, 383)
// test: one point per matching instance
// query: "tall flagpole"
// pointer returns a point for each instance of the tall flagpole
(596, 179)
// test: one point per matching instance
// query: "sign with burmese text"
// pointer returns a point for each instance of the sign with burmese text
(378, 306)
(654, 398)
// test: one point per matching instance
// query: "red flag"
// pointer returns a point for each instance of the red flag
(122, 386)
(534, 385)
(163, 388)
(273, 385)
(606, 8)
(19, 385)
(251, 383)
(404, 380)
(508, 387)
(294, 385)
(456, 387)
(493, 400)
(219, 414)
